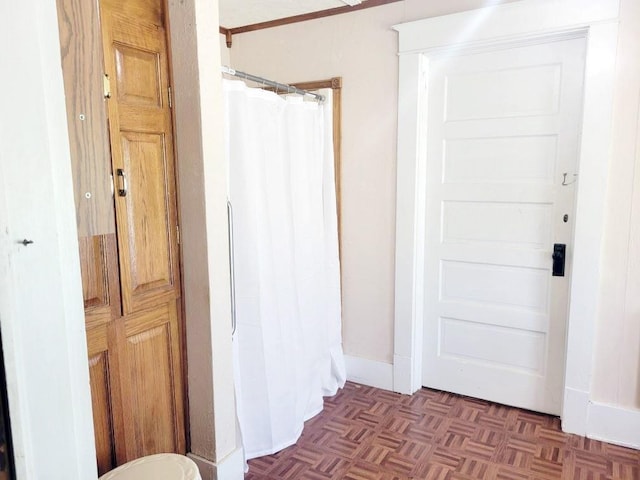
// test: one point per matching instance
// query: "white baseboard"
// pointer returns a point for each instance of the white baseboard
(609, 423)
(229, 468)
(369, 372)
(614, 425)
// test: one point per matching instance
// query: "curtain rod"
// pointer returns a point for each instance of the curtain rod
(270, 83)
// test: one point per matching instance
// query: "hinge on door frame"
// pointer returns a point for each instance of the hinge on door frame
(106, 86)
(169, 95)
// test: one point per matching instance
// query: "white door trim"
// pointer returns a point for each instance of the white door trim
(514, 23)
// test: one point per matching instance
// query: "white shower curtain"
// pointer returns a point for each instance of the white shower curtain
(288, 346)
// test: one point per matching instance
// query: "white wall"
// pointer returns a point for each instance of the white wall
(617, 360)
(41, 307)
(362, 49)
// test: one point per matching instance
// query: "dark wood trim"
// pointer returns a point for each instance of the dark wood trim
(229, 32)
(334, 83)
(227, 35)
(310, 16)
(336, 86)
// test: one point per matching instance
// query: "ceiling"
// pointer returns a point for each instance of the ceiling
(237, 13)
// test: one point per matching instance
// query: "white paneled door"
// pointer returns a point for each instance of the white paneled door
(503, 130)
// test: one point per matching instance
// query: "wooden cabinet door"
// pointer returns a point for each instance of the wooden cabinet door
(148, 334)
(130, 279)
(136, 61)
(102, 309)
(152, 365)
(82, 67)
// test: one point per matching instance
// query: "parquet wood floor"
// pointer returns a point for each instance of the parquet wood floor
(369, 434)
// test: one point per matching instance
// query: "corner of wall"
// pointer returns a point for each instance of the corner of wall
(614, 424)
(599, 421)
(202, 179)
(229, 468)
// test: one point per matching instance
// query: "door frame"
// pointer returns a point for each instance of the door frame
(507, 25)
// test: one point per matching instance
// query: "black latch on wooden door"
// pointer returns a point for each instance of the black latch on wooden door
(559, 254)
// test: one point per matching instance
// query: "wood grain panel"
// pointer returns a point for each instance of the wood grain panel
(102, 396)
(138, 78)
(155, 389)
(150, 11)
(93, 267)
(82, 66)
(101, 403)
(100, 284)
(148, 239)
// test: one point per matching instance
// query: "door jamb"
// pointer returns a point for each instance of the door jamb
(524, 21)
